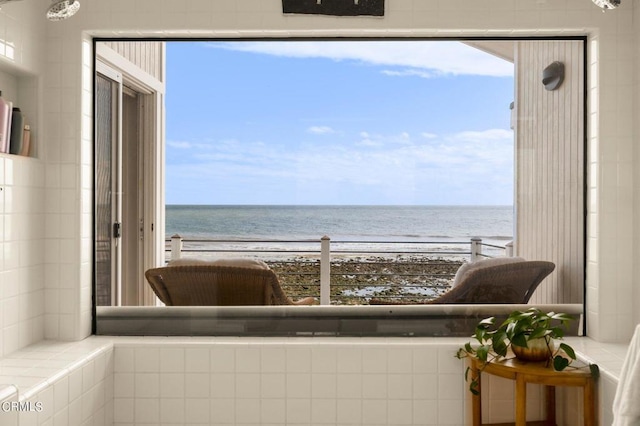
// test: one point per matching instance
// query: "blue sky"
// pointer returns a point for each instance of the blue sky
(341, 122)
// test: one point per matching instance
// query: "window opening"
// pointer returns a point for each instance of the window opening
(366, 128)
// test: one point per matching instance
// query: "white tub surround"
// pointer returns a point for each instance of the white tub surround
(58, 383)
(268, 381)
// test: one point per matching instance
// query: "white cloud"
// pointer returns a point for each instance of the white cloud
(410, 73)
(179, 144)
(427, 135)
(486, 135)
(368, 142)
(374, 159)
(196, 145)
(377, 140)
(421, 58)
(320, 130)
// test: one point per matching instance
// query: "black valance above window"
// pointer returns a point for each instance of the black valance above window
(335, 7)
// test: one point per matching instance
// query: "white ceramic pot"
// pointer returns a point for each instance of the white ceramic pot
(537, 350)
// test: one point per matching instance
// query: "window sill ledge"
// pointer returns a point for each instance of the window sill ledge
(363, 320)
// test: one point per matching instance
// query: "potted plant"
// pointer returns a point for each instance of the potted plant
(530, 335)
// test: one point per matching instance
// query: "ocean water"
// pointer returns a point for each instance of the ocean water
(409, 224)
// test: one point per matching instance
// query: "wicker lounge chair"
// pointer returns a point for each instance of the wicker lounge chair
(512, 283)
(214, 285)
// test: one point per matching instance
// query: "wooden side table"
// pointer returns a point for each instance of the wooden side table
(536, 372)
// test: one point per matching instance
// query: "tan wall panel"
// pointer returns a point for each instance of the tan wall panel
(147, 55)
(550, 167)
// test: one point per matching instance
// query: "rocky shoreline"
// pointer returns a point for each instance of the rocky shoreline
(356, 280)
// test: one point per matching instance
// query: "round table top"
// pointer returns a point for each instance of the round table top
(510, 367)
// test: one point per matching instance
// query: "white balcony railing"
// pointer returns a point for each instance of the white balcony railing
(348, 272)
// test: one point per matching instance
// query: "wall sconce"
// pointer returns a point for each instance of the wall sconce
(59, 9)
(607, 4)
(553, 76)
(62, 9)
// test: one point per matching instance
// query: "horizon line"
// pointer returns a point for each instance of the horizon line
(340, 205)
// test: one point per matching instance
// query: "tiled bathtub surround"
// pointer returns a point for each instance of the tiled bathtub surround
(58, 383)
(267, 381)
(276, 382)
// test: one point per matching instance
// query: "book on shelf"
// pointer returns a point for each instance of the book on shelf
(16, 131)
(19, 136)
(6, 108)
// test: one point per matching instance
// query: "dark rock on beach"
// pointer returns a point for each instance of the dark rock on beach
(356, 280)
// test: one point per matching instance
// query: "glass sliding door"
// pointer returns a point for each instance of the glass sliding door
(108, 193)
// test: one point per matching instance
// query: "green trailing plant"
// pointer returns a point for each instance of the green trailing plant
(520, 328)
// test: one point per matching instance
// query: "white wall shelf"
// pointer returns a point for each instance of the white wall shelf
(21, 88)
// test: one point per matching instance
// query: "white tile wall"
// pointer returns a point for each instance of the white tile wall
(22, 218)
(337, 381)
(22, 209)
(278, 381)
